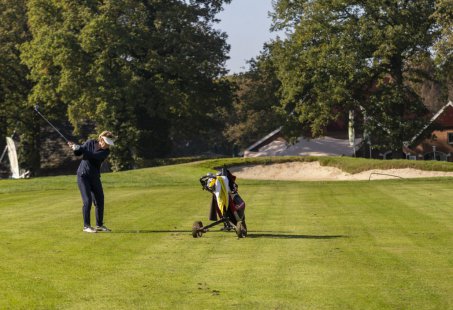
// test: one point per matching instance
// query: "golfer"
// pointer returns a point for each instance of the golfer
(93, 152)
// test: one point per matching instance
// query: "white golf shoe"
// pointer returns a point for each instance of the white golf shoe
(102, 228)
(89, 229)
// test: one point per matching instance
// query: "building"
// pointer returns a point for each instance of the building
(332, 144)
(435, 140)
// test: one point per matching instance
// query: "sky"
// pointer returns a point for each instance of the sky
(247, 24)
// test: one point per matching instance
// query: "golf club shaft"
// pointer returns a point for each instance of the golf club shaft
(4, 152)
(51, 125)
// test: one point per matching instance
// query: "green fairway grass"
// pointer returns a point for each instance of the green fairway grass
(310, 245)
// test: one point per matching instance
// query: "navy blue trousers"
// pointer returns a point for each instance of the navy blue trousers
(91, 191)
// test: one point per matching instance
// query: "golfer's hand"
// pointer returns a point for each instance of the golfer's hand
(74, 146)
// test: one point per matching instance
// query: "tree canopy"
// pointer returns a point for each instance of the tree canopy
(255, 109)
(14, 84)
(147, 70)
(355, 55)
(153, 72)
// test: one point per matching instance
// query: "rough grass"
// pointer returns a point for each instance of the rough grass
(311, 245)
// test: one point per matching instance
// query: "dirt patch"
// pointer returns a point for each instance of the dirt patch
(313, 171)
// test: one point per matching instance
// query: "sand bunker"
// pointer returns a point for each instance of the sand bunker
(313, 171)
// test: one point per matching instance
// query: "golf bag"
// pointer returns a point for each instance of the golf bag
(226, 207)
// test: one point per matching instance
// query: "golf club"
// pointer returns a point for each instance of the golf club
(37, 111)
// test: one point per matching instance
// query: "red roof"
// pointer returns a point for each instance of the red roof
(445, 119)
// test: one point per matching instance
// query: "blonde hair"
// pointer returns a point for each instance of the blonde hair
(107, 134)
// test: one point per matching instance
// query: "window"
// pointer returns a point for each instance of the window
(450, 138)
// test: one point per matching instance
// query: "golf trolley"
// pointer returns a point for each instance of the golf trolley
(227, 207)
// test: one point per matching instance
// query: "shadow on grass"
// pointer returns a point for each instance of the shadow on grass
(148, 231)
(255, 234)
(290, 236)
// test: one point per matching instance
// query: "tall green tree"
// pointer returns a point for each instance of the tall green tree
(14, 85)
(254, 112)
(147, 70)
(354, 55)
(444, 18)
(444, 45)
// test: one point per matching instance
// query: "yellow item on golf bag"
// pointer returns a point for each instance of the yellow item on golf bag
(222, 194)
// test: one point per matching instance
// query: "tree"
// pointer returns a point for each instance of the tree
(14, 85)
(147, 70)
(354, 55)
(444, 45)
(257, 95)
(444, 18)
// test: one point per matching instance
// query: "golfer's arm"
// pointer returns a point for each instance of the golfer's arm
(78, 152)
(81, 150)
(100, 155)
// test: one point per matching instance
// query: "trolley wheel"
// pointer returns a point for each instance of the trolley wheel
(196, 229)
(241, 230)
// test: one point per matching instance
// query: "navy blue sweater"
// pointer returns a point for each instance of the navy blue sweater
(93, 156)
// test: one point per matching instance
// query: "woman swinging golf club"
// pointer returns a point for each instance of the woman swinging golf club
(94, 152)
